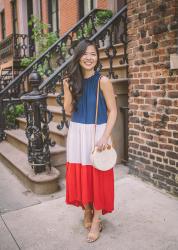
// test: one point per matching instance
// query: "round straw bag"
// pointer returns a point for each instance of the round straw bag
(105, 159)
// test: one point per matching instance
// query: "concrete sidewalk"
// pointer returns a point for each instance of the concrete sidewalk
(145, 218)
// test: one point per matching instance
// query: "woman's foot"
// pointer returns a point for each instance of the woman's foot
(88, 216)
(95, 230)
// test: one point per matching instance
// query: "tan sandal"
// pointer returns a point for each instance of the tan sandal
(88, 216)
(94, 234)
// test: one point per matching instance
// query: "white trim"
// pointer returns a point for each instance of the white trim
(36, 8)
(22, 17)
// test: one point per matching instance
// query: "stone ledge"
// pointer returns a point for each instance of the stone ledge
(18, 139)
(44, 183)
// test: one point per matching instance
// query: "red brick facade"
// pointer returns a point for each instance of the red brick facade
(44, 8)
(69, 14)
(153, 91)
(8, 14)
(6, 6)
(102, 4)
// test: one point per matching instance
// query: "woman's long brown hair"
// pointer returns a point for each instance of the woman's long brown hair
(75, 71)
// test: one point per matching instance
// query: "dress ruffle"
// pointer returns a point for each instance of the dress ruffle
(86, 184)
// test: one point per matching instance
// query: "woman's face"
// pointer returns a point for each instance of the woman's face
(89, 59)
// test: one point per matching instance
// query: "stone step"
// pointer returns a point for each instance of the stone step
(51, 100)
(16, 161)
(119, 70)
(119, 48)
(59, 136)
(18, 139)
(104, 60)
(57, 113)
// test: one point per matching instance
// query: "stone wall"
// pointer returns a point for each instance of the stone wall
(153, 91)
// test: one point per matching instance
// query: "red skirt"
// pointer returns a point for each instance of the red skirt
(85, 184)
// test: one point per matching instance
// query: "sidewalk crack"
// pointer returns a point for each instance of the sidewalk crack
(10, 232)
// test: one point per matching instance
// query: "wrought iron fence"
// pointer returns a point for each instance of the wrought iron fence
(56, 55)
(113, 32)
(55, 63)
(47, 63)
(15, 45)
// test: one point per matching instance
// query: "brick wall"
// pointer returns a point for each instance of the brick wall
(69, 15)
(153, 91)
(8, 17)
(44, 8)
(102, 4)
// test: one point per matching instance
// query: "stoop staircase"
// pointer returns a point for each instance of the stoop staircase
(13, 150)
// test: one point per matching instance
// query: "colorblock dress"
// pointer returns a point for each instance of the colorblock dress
(84, 183)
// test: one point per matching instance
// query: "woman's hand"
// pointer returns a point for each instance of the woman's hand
(102, 143)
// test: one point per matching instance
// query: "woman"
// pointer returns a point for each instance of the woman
(86, 186)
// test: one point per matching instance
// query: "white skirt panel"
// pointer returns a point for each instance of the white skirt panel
(80, 140)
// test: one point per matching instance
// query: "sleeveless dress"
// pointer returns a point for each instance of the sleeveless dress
(84, 183)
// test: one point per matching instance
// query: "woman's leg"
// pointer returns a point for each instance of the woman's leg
(96, 226)
(88, 206)
(88, 215)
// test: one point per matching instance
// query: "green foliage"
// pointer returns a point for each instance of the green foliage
(27, 61)
(87, 31)
(12, 112)
(103, 17)
(43, 40)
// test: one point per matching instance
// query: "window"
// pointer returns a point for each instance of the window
(88, 6)
(53, 15)
(40, 10)
(14, 17)
(85, 6)
(3, 25)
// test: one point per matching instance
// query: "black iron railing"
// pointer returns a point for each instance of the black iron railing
(46, 64)
(113, 32)
(56, 55)
(55, 65)
(38, 117)
(15, 45)
(5, 77)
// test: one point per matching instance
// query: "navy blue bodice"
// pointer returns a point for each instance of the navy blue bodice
(86, 105)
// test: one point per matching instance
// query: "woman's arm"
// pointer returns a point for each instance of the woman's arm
(67, 98)
(108, 93)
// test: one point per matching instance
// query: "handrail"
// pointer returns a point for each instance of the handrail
(95, 36)
(30, 67)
